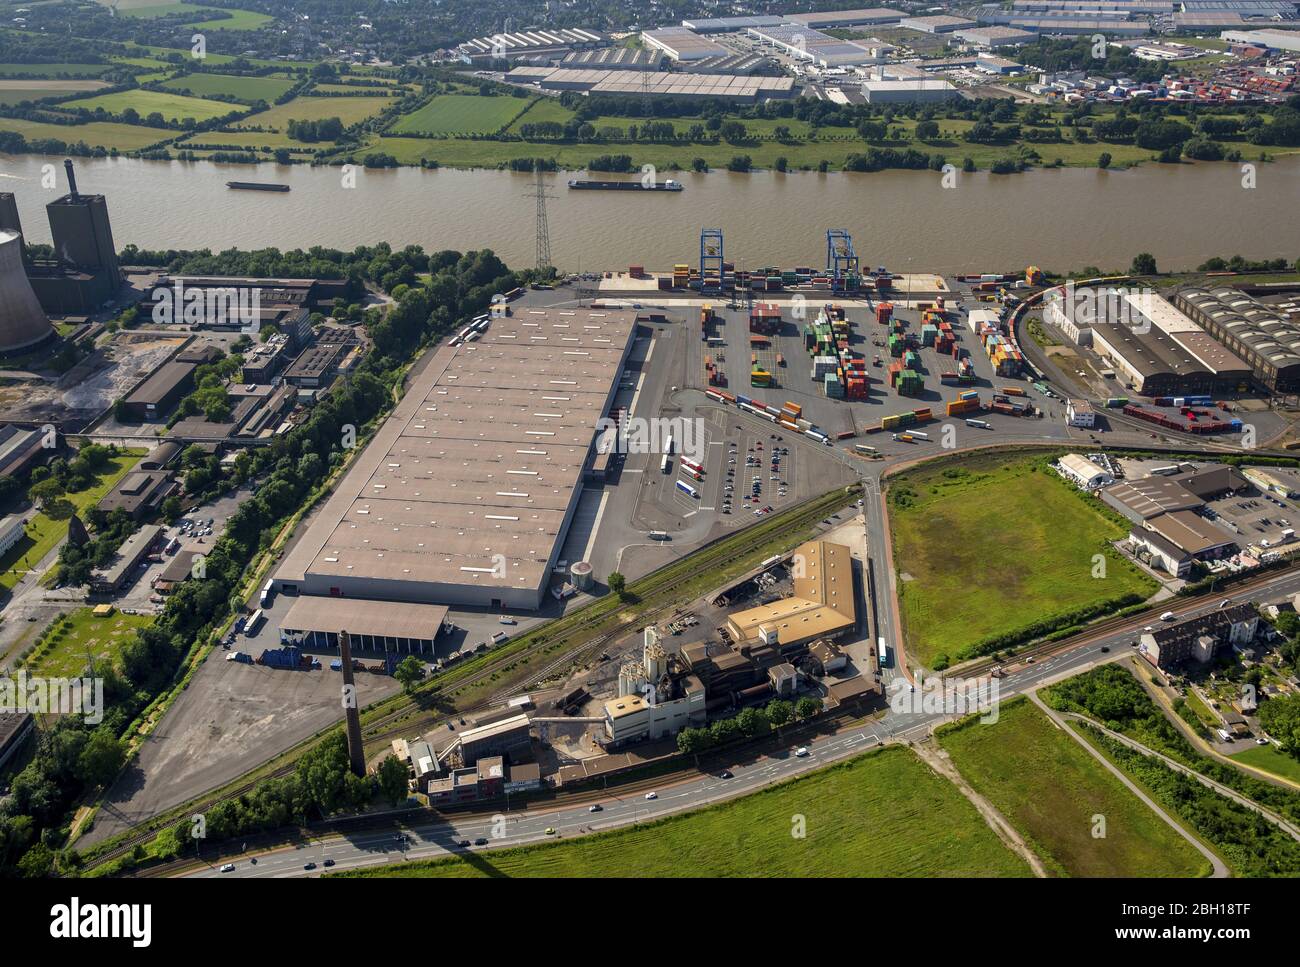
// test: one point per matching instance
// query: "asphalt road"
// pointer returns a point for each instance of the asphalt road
(528, 826)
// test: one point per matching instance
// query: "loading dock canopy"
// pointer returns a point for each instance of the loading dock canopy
(378, 619)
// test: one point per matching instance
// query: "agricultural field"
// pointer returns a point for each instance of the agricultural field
(173, 107)
(15, 92)
(1026, 534)
(542, 109)
(460, 114)
(1055, 812)
(883, 814)
(209, 17)
(250, 141)
(349, 110)
(106, 134)
(80, 637)
(53, 70)
(45, 531)
(247, 89)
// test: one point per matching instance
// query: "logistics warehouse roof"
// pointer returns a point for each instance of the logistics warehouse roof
(1190, 532)
(823, 602)
(1151, 496)
(469, 481)
(383, 619)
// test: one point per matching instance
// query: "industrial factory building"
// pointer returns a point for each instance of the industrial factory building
(689, 86)
(996, 36)
(823, 604)
(906, 90)
(1271, 39)
(1145, 499)
(527, 43)
(1159, 350)
(614, 58)
(726, 25)
(466, 493)
(21, 450)
(1073, 26)
(314, 622)
(804, 44)
(941, 24)
(831, 19)
(681, 44)
(1266, 340)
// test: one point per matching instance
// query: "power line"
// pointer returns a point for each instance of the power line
(543, 230)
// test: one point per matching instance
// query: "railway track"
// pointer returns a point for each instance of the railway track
(633, 788)
(576, 643)
(1109, 626)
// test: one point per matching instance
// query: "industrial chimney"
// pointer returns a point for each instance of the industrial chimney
(351, 708)
(23, 325)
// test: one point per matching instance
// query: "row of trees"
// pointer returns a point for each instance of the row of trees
(33, 819)
(750, 723)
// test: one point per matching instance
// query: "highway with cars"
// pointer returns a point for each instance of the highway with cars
(900, 723)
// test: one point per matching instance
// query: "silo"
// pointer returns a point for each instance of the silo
(655, 661)
(23, 325)
(631, 679)
(581, 574)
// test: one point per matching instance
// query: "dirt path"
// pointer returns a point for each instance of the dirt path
(939, 761)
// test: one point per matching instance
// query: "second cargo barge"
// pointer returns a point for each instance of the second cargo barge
(668, 185)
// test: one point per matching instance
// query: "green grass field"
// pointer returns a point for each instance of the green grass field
(991, 544)
(43, 532)
(81, 637)
(1268, 758)
(173, 107)
(460, 114)
(247, 89)
(107, 134)
(1050, 789)
(15, 92)
(884, 814)
(349, 110)
(200, 16)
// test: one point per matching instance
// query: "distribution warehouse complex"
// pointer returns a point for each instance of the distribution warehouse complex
(466, 492)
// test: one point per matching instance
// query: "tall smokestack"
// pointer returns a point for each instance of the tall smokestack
(72, 178)
(351, 711)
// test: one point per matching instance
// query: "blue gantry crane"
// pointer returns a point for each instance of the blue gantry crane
(842, 260)
(711, 275)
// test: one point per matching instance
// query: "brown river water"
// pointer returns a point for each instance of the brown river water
(1057, 219)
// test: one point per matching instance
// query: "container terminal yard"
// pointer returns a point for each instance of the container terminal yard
(765, 397)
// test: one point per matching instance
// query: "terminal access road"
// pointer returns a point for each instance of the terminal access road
(690, 789)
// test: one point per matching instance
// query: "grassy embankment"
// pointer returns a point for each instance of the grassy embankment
(1052, 790)
(884, 814)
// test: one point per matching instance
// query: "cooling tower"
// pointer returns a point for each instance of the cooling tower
(23, 324)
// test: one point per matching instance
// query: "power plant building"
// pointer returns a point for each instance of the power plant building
(84, 273)
(465, 494)
(23, 324)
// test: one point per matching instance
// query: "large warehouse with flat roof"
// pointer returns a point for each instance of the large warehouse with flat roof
(466, 492)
